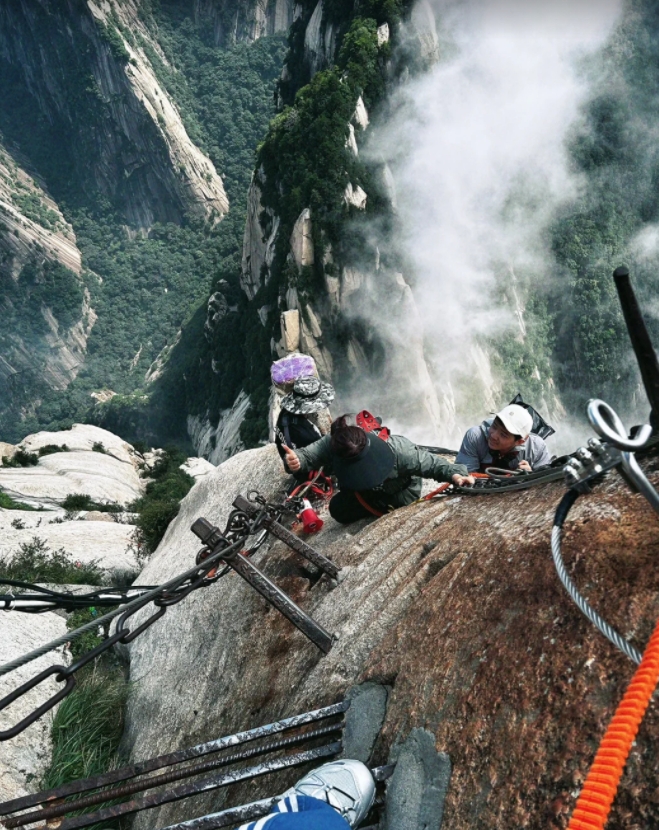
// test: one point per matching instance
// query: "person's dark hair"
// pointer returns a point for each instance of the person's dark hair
(346, 441)
(500, 425)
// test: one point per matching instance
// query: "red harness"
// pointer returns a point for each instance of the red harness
(369, 423)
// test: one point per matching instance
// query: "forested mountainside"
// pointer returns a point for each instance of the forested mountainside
(190, 188)
(128, 134)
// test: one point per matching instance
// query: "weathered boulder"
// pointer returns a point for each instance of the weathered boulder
(356, 196)
(24, 759)
(100, 476)
(92, 461)
(301, 240)
(290, 331)
(108, 543)
(197, 467)
(84, 437)
(453, 604)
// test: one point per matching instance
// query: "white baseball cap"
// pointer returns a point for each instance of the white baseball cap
(516, 419)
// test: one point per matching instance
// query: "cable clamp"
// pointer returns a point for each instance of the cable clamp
(590, 462)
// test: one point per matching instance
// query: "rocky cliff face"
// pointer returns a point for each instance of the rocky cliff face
(88, 537)
(83, 99)
(245, 21)
(36, 241)
(336, 300)
(32, 223)
(86, 68)
(455, 607)
(74, 463)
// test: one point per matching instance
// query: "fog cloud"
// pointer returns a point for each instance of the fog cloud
(477, 150)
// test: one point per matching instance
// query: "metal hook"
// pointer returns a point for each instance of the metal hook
(631, 467)
(608, 425)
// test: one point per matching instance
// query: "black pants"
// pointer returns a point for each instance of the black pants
(345, 508)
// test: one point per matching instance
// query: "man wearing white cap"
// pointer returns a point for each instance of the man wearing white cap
(505, 441)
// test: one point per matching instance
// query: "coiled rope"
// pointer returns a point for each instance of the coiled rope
(610, 633)
(599, 790)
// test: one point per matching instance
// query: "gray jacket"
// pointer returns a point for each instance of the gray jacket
(403, 485)
(476, 453)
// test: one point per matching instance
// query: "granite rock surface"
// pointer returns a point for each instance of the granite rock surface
(454, 605)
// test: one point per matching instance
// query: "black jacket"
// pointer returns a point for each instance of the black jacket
(295, 431)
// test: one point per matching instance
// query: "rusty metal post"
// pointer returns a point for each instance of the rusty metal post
(641, 343)
(294, 542)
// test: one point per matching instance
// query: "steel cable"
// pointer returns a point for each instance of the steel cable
(610, 633)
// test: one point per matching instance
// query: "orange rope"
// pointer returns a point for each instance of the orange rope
(436, 492)
(599, 790)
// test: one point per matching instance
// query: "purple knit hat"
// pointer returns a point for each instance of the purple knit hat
(292, 367)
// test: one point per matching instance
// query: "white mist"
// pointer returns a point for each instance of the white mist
(477, 149)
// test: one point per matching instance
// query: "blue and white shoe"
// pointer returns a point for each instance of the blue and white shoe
(347, 786)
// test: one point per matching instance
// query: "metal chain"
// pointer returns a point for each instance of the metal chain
(239, 527)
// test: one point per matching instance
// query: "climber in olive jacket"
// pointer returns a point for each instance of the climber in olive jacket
(374, 476)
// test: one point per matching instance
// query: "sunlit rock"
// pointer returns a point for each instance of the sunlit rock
(360, 116)
(355, 196)
(290, 331)
(301, 240)
(217, 443)
(456, 606)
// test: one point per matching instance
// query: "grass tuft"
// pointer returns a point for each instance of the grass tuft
(21, 458)
(8, 503)
(87, 727)
(80, 501)
(51, 449)
(36, 562)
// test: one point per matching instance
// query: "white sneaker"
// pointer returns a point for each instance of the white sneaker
(347, 786)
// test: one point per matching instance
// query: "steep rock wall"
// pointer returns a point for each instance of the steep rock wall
(86, 68)
(353, 312)
(453, 604)
(222, 441)
(45, 331)
(31, 222)
(232, 22)
(24, 759)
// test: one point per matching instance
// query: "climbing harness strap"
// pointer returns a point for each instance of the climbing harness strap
(318, 484)
(366, 505)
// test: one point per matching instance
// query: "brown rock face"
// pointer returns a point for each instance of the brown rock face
(456, 606)
(515, 683)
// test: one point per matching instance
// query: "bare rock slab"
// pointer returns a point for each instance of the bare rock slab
(418, 787)
(23, 759)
